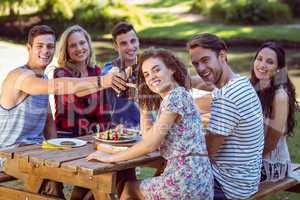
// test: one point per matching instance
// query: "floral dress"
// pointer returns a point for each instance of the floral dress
(188, 173)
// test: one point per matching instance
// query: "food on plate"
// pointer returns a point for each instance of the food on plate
(118, 133)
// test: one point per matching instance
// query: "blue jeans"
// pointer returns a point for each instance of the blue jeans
(218, 192)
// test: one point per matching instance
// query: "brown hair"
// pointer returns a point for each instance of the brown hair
(121, 28)
(207, 41)
(149, 100)
(39, 30)
(280, 79)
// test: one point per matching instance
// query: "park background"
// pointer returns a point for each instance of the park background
(243, 24)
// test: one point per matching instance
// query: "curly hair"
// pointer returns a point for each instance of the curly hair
(147, 99)
(280, 79)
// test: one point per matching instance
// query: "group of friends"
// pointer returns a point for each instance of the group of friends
(244, 144)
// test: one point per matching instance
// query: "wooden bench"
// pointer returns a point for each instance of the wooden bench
(4, 177)
(16, 194)
(271, 188)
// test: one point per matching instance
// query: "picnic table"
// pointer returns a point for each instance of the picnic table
(32, 164)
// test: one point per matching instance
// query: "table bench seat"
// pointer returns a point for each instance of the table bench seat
(16, 194)
(4, 177)
(271, 188)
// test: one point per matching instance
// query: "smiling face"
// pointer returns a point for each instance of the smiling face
(78, 48)
(265, 64)
(41, 51)
(157, 76)
(207, 64)
(127, 45)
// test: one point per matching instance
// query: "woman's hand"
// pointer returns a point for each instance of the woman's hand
(100, 156)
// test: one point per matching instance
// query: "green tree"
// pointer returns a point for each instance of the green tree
(294, 6)
(13, 7)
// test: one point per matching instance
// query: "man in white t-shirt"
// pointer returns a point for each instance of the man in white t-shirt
(235, 137)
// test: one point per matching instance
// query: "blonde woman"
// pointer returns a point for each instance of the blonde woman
(77, 116)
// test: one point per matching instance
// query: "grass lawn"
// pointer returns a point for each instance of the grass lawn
(183, 30)
(164, 19)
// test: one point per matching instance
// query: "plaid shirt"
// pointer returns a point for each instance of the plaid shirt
(81, 115)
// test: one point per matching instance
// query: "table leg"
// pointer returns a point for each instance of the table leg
(295, 189)
(101, 196)
(79, 193)
(33, 184)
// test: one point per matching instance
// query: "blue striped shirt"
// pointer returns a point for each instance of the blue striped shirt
(236, 113)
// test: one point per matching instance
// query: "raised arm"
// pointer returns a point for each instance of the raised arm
(115, 80)
(198, 83)
(22, 82)
(28, 82)
(276, 126)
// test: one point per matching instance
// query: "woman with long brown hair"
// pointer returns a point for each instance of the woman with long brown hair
(269, 76)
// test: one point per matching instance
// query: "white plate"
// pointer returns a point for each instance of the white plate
(60, 142)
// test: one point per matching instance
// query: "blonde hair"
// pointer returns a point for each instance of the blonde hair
(63, 57)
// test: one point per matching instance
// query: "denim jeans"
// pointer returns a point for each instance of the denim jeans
(218, 192)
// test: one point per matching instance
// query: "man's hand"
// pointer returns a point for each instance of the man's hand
(213, 143)
(115, 80)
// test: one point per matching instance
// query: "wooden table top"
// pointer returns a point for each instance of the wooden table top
(73, 159)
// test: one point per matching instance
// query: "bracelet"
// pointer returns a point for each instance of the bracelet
(99, 82)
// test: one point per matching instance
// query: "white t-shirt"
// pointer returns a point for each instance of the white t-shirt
(236, 113)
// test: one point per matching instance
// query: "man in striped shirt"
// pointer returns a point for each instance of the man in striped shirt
(235, 136)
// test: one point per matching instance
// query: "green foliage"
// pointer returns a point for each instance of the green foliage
(245, 11)
(257, 12)
(294, 6)
(13, 7)
(95, 17)
(202, 6)
(218, 11)
(165, 3)
(62, 8)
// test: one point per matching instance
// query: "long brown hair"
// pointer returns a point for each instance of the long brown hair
(280, 79)
(149, 100)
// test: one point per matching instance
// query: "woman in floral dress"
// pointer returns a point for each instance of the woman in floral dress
(177, 132)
